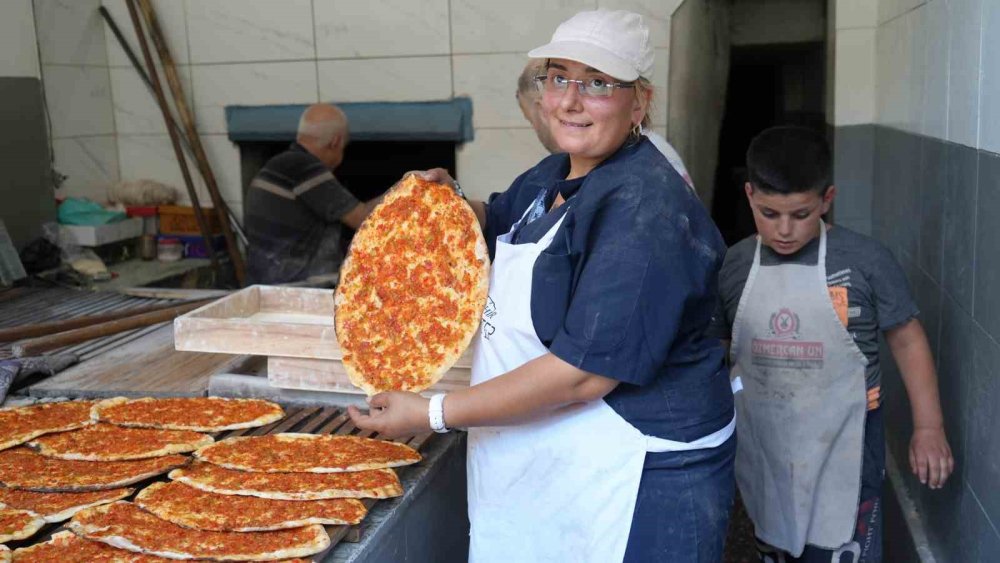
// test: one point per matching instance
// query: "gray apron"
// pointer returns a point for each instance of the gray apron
(801, 412)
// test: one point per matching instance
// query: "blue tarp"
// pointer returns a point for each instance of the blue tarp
(449, 120)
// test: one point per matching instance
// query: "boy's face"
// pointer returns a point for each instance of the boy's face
(787, 222)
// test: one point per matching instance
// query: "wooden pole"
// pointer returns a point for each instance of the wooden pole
(180, 102)
(41, 329)
(154, 77)
(35, 346)
(113, 26)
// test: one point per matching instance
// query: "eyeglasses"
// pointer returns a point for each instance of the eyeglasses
(596, 87)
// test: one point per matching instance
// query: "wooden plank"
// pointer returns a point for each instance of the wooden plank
(263, 320)
(330, 375)
(146, 367)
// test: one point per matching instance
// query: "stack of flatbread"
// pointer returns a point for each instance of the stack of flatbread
(77, 458)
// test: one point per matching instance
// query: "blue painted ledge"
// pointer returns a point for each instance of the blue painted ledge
(449, 120)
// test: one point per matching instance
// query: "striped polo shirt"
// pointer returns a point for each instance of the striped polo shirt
(292, 214)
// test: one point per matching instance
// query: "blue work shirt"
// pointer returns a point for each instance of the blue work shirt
(628, 286)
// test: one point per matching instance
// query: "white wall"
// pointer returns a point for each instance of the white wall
(75, 78)
(17, 39)
(937, 69)
(760, 22)
(698, 75)
(301, 51)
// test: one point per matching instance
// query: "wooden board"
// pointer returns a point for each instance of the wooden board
(263, 320)
(329, 375)
(145, 367)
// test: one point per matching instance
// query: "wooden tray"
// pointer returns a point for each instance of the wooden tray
(329, 375)
(263, 320)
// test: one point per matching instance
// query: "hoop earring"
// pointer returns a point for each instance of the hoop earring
(636, 130)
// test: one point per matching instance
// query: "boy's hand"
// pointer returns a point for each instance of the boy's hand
(930, 456)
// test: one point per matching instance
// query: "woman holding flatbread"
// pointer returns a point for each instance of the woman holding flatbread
(601, 424)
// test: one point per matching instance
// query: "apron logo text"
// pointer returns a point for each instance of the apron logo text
(488, 313)
(785, 354)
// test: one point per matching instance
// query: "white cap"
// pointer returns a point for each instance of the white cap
(614, 42)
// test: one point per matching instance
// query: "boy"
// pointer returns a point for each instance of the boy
(803, 303)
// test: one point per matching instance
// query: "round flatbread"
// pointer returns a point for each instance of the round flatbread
(18, 524)
(22, 468)
(110, 442)
(373, 483)
(201, 414)
(5, 555)
(127, 526)
(21, 424)
(310, 453)
(412, 288)
(56, 507)
(202, 510)
(67, 546)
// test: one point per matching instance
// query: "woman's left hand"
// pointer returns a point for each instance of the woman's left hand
(393, 414)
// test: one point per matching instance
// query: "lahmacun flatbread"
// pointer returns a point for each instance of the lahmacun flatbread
(22, 468)
(201, 510)
(5, 555)
(309, 453)
(200, 414)
(56, 507)
(67, 547)
(127, 526)
(373, 483)
(21, 424)
(110, 442)
(412, 288)
(18, 524)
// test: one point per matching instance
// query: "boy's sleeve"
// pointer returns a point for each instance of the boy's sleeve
(719, 326)
(892, 299)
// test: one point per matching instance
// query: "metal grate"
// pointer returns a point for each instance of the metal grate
(311, 420)
(21, 306)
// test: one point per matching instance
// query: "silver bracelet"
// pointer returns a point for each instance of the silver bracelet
(458, 190)
(435, 413)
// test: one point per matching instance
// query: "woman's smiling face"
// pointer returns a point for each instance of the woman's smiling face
(589, 128)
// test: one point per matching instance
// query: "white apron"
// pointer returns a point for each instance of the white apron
(802, 409)
(562, 488)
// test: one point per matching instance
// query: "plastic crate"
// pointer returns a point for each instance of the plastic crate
(180, 220)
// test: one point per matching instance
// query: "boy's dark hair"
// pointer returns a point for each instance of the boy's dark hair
(788, 160)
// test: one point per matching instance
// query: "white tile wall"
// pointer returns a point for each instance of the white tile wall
(216, 86)
(915, 28)
(935, 42)
(890, 9)
(70, 32)
(989, 116)
(136, 110)
(382, 28)
(491, 81)
(17, 39)
(78, 99)
(386, 80)
(854, 95)
(90, 165)
(887, 49)
(169, 14)
(965, 39)
(228, 31)
(257, 52)
(496, 157)
(513, 26)
(857, 13)
(225, 158)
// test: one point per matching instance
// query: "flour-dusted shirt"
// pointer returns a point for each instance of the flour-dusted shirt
(292, 212)
(627, 288)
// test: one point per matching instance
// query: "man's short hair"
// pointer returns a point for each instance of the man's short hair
(526, 82)
(789, 160)
(321, 130)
